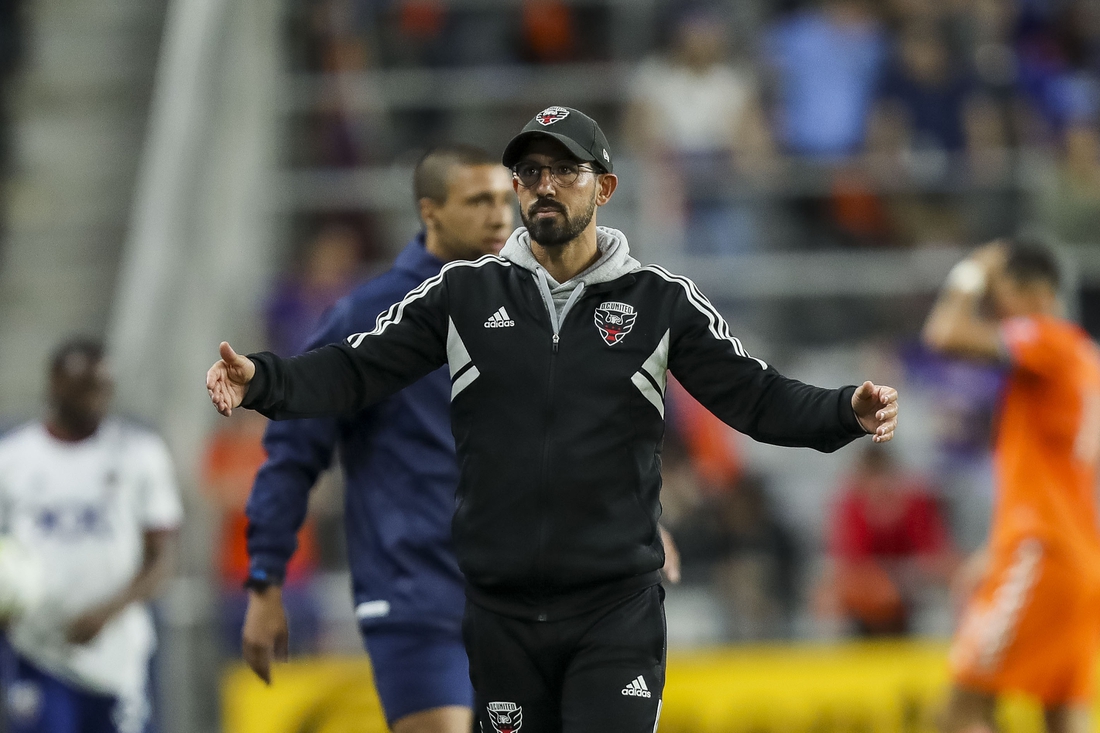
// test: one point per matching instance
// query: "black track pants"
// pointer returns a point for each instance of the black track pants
(598, 672)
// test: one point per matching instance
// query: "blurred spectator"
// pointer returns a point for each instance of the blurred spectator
(1059, 57)
(963, 398)
(348, 124)
(1068, 200)
(681, 493)
(737, 543)
(332, 265)
(548, 31)
(925, 95)
(10, 47)
(827, 61)
(888, 542)
(709, 444)
(695, 120)
(932, 123)
(234, 452)
(92, 504)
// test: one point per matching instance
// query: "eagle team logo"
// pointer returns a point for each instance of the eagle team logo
(506, 717)
(614, 320)
(550, 115)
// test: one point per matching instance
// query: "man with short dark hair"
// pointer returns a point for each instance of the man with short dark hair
(401, 474)
(93, 503)
(1032, 622)
(558, 352)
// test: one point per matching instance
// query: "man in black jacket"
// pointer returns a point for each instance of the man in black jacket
(558, 352)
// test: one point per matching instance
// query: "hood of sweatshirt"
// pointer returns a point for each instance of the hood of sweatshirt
(614, 262)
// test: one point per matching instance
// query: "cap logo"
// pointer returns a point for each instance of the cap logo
(550, 115)
(606, 156)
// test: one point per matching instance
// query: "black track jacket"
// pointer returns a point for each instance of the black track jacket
(558, 429)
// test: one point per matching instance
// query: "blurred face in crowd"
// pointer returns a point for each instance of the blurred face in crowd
(701, 42)
(333, 257)
(925, 57)
(877, 475)
(555, 214)
(476, 217)
(80, 393)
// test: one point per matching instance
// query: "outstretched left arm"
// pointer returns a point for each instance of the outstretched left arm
(752, 397)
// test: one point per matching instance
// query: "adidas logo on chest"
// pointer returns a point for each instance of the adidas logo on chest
(500, 319)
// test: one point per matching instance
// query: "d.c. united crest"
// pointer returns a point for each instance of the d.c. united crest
(550, 115)
(506, 717)
(614, 320)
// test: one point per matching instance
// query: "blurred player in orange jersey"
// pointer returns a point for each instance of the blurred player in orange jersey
(1032, 620)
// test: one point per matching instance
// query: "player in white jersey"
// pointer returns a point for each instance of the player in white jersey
(94, 502)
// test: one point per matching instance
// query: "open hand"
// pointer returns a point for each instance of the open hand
(876, 408)
(227, 381)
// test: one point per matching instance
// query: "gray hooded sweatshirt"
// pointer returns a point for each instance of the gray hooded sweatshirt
(614, 262)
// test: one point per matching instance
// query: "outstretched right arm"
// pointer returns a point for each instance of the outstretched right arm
(408, 341)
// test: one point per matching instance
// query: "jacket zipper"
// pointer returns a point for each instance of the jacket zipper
(544, 469)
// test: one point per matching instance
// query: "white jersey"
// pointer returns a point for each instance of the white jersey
(82, 508)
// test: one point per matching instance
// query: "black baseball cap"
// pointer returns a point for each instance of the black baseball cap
(575, 130)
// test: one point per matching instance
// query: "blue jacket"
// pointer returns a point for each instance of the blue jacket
(400, 470)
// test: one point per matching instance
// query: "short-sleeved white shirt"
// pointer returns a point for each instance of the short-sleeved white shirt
(82, 509)
(694, 112)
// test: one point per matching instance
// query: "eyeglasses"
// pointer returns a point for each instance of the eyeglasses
(564, 173)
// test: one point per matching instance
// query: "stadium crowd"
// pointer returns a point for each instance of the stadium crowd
(900, 123)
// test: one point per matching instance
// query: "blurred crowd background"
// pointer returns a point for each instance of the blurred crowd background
(176, 173)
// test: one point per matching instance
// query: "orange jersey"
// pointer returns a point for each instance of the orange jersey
(1048, 441)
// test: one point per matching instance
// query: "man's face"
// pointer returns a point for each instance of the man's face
(553, 214)
(477, 216)
(80, 392)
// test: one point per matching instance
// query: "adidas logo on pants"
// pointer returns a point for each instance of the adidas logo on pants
(637, 688)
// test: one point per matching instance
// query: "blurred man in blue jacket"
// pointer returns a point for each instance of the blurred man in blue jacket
(401, 472)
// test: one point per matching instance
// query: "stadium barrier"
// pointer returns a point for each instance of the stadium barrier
(887, 687)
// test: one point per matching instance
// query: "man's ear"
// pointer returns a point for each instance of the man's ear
(428, 208)
(605, 187)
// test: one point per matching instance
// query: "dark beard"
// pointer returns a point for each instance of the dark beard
(555, 233)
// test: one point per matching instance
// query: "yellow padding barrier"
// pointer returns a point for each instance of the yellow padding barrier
(894, 687)
(308, 696)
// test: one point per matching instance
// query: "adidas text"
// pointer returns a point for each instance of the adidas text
(500, 319)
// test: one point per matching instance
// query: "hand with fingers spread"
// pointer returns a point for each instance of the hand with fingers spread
(264, 637)
(227, 381)
(876, 409)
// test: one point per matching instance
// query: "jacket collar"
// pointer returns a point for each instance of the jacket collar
(614, 261)
(416, 259)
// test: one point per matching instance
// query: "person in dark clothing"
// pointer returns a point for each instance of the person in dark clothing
(401, 472)
(558, 422)
(11, 39)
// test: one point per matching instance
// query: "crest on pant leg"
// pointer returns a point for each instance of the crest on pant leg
(506, 717)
